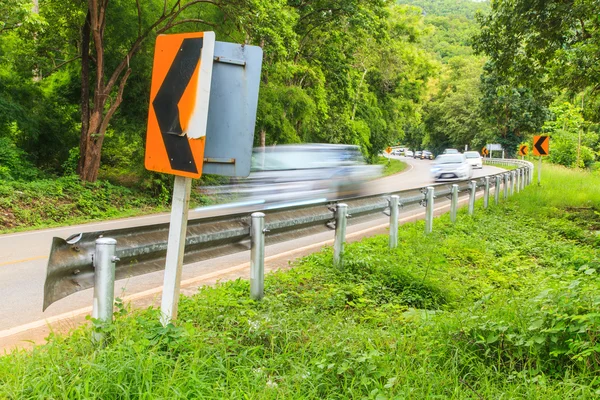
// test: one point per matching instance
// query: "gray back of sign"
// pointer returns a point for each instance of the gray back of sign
(232, 109)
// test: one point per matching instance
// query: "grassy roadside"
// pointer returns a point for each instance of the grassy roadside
(391, 165)
(66, 201)
(500, 305)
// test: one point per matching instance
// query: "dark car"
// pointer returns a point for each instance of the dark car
(418, 154)
(427, 155)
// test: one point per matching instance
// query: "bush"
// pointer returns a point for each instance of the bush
(13, 162)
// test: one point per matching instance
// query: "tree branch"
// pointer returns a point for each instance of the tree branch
(139, 12)
(116, 104)
(140, 39)
(333, 11)
(186, 21)
(175, 14)
(63, 64)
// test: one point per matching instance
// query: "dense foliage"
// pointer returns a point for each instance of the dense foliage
(334, 71)
(502, 304)
(545, 55)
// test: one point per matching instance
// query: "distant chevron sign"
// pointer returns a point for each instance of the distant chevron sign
(523, 150)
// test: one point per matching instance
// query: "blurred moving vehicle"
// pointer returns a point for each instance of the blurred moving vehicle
(451, 151)
(408, 153)
(427, 155)
(474, 158)
(450, 167)
(303, 173)
(418, 154)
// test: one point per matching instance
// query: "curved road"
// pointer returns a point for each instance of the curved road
(24, 257)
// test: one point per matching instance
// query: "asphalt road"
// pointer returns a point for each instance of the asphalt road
(23, 258)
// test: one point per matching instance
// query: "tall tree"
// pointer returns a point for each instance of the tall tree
(514, 111)
(541, 43)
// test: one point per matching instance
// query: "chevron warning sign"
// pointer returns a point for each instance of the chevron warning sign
(541, 145)
(484, 151)
(523, 150)
(179, 95)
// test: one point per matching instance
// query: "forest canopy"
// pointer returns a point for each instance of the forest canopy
(75, 76)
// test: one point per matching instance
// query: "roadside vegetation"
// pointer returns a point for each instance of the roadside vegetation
(45, 203)
(391, 166)
(500, 305)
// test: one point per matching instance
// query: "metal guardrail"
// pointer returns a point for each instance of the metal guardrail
(141, 250)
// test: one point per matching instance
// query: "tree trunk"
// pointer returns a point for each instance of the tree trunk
(85, 94)
(263, 137)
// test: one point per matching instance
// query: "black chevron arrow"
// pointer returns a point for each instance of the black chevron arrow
(523, 150)
(538, 145)
(165, 105)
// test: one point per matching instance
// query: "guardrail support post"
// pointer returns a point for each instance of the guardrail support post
(104, 283)
(454, 203)
(512, 182)
(473, 188)
(394, 200)
(497, 190)
(429, 212)
(523, 177)
(486, 193)
(505, 185)
(518, 186)
(340, 233)
(257, 256)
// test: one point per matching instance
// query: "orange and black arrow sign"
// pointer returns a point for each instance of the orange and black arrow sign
(541, 145)
(179, 103)
(484, 151)
(523, 150)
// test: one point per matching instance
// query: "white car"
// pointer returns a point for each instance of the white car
(295, 173)
(408, 153)
(474, 159)
(451, 167)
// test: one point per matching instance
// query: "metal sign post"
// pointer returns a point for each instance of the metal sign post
(175, 249)
(541, 147)
(540, 171)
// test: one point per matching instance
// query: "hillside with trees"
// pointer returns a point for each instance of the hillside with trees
(75, 79)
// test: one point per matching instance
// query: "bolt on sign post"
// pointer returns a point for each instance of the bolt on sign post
(541, 147)
(177, 116)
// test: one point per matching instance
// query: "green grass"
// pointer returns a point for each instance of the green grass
(391, 166)
(503, 304)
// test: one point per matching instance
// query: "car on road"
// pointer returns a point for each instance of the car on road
(408, 153)
(451, 167)
(418, 154)
(451, 151)
(474, 158)
(299, 174)
(427, 155)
